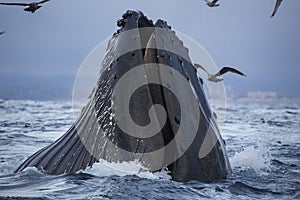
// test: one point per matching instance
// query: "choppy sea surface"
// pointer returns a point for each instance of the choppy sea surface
(262, 141)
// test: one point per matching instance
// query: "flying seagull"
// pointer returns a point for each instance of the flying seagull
(278, 2)
(215, 77)
(2, 32)
(212, 3)
(31, 7)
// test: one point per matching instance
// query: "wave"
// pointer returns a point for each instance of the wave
(241, 188)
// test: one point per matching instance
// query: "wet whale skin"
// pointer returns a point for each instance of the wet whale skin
(71, 152)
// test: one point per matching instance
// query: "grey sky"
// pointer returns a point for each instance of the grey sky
(56, 39)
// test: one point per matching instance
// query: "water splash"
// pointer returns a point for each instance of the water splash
(104, 168)
(252, 157)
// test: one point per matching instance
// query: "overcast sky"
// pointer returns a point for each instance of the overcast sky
(55, 40)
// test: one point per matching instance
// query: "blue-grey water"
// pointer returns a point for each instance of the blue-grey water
(262, 141)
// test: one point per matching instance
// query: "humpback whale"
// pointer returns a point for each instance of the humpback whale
(185, 140)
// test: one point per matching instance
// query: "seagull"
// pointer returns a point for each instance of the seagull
(215, 77)
(212, 3)
(32, 7)
(2, 32)
(278, 2)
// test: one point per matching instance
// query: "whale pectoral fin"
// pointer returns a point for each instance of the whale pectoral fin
(67, 154)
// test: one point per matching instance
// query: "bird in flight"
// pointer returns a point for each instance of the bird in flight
(212, 3)
(216, 77)
(31, 7)
(278, 2)
(2, 32)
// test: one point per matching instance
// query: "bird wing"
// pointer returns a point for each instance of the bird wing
(229, 69)
(214, 1)
(199, 66)
(15, 4)
(2, 32)
(278, 2)
(42, 1)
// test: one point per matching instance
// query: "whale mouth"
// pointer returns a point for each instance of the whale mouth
(148, 106)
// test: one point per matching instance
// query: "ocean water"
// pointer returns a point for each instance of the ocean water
(262, 141)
